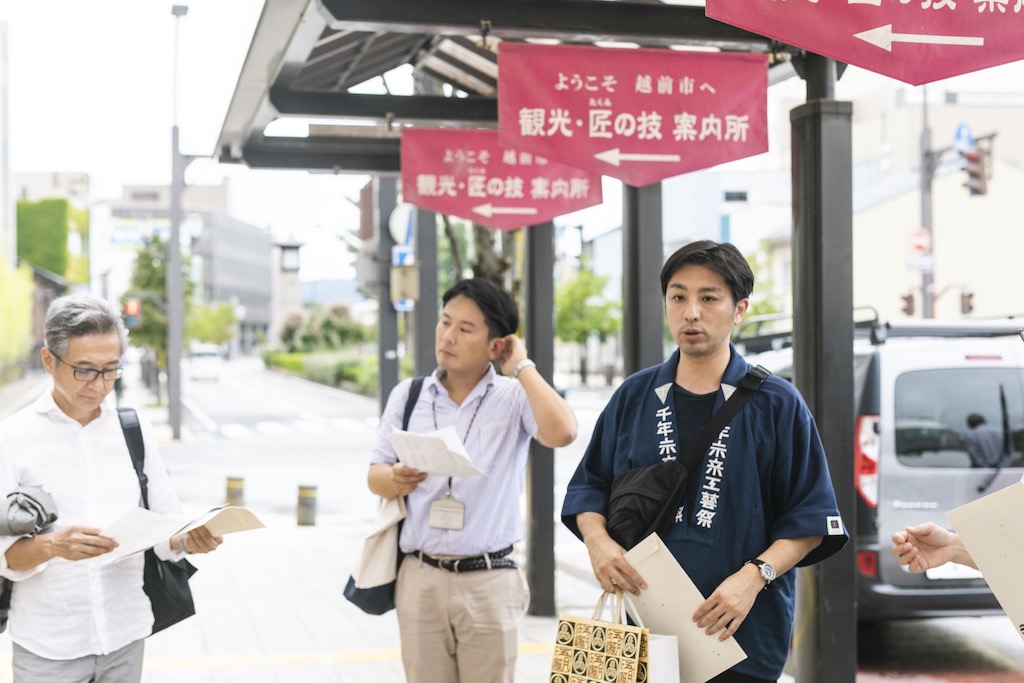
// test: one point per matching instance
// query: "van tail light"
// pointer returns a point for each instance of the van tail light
(867, 563)
(865, 458)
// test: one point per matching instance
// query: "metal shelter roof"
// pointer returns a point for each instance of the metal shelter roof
(307, 55)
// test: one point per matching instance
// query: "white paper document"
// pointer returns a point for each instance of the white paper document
(141, 529)
(440, 453)
(666, 606)
(992, 530)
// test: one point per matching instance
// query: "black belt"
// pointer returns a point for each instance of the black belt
(496, 560)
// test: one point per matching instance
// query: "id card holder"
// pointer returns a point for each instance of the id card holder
(447, 513)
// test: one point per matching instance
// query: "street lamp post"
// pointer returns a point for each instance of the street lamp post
(175, 286)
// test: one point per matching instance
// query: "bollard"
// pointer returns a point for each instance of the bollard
(236, 491)
(307, 506)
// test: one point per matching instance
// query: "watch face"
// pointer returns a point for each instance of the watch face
(767, 572)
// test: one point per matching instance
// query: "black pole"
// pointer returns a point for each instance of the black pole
(424, 317)
(825, 642)
(385, 198)
(642, 256)
(540, 481)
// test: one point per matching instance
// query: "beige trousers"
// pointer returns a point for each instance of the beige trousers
(459, 628)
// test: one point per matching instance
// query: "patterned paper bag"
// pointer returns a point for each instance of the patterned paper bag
(595, 651)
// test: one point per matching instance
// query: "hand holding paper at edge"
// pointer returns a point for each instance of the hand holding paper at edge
(224, 519)
(665, 608)
(440, 452)
(141, 529)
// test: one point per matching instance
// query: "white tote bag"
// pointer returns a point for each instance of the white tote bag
(662, 653)
(378, 564)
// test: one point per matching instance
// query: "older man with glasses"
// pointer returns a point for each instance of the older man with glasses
(75, 621)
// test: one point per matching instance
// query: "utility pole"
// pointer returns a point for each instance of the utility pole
(175, 286)
(967, 146)
(929, 161)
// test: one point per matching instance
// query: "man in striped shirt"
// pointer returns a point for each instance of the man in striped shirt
(459, 595)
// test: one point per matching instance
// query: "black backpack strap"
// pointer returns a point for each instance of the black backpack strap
(410, 403)
(136, 447)
(748, 385)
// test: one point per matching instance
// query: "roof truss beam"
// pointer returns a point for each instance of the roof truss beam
(571, 21)
(432, 109)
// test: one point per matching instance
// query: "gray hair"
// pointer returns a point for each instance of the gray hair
(80, 315)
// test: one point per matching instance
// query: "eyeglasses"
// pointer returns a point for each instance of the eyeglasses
(89, 374)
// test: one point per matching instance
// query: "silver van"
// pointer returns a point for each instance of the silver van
(939, 422)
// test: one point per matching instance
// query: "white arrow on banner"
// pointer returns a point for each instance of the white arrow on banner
(883, 37)
(489, 210)
(615, 157)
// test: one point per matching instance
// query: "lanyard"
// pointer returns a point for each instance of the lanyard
(433, 412)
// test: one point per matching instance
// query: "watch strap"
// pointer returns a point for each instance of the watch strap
(524, 363)
(768, 583)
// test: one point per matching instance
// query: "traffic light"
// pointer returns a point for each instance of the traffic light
(908, 304)
(975, 162)
(966, 302)
(132, 313)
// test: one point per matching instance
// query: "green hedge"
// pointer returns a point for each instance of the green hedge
(344, 369)
(15, 321)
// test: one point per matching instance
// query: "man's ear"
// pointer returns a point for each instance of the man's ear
(49, 362)
(741, 310)
(496, 347)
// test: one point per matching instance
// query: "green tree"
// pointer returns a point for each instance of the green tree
(581, 312)
(149, 283)
(78, 266)
(337, 328)
(43, 234)
(290, 332)
(214, 323)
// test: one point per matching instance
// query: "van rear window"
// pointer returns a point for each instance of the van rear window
(968, 417)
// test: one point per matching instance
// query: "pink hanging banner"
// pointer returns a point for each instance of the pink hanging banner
(637, 115)
(916, 42)
(466, 173)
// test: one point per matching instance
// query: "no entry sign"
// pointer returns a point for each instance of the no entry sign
(915, 41)
(637, 115)
(466, 173)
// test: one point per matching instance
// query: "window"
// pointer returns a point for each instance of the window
(932, 411)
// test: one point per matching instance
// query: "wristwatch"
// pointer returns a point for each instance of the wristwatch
(767, 571)
(524, 363)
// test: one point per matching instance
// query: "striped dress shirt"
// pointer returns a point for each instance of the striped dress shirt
(495, 423)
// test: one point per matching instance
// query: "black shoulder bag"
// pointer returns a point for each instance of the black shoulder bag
(165, 582)
(645, 500)
(381, 599)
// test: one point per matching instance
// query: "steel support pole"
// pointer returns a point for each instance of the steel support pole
(425, 314)
(539, 318)
(642, 258)
(175, 289)
(385, 198)
(825, 637)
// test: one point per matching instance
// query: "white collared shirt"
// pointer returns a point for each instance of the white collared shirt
(62, 609)
(498, 442)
